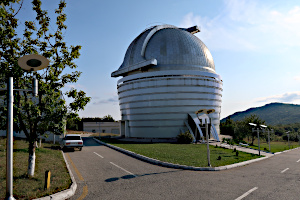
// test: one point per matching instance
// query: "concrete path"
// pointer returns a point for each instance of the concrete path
(241, 148)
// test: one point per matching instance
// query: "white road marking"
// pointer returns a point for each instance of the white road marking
(122, 168)
(247, 193)
(284, 170)
(298, 160)
(98, 155)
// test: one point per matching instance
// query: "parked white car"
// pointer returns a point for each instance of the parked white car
(72, 141)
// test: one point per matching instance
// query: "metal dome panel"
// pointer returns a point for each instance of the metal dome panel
(178, 47)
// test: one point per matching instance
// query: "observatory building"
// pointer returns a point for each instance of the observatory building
(168, 74)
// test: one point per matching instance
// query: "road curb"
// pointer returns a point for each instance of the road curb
(177, 166)
(286, 151)
(65, 193)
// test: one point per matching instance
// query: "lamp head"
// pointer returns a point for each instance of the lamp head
(210, 111)
(33, 62)
(205, 111)
(252, 124)
(201, 111)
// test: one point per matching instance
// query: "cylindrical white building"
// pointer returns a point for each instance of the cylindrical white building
(168, 75)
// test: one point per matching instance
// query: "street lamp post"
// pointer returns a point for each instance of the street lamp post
(207, 144)
(207, 112)
(29, 63)
(9, 142)
(264, 126)
(258, 141)
(257, 130)
(269, 139)
(288, 135)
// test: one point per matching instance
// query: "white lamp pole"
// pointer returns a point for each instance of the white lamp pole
(9, 144)
(207, 112)
(207, 144)
(29, 63)
(288, 135)
(258, 141)
(269, 139)
(253, 130)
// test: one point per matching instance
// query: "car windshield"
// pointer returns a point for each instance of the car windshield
(72, 138)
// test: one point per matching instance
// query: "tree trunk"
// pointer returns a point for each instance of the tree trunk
(31, 159)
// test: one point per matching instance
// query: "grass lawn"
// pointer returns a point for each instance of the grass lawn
(275, 146)
(47, 158)
(184, 154)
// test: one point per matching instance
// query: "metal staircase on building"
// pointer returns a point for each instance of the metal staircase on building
(193, 124)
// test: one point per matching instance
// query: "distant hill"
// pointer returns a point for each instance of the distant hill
(273, 113)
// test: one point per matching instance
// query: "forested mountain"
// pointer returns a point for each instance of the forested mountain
(273, 113)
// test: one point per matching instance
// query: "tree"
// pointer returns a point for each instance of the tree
(35, 116)
(108, 118)
(73, 121)
(241, 131)
(185, 138)
(227, 127)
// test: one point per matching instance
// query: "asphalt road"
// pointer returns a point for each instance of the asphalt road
(103, 173)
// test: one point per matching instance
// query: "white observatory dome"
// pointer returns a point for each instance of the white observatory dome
(173, 49)
(168, 75)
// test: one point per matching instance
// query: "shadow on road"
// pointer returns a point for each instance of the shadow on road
(68, 150)
(136, 175)
(89, 141)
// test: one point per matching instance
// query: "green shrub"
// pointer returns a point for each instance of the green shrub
(228, 141)
(185, 138)
(237, 141)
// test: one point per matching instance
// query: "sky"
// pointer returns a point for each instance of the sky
(255, 45)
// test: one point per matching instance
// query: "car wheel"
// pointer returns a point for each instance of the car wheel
(80, 148)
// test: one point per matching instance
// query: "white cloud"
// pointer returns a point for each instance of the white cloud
(191, 20)
(112, 100)
(289, 97)
(76, 86)
(249, 26)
